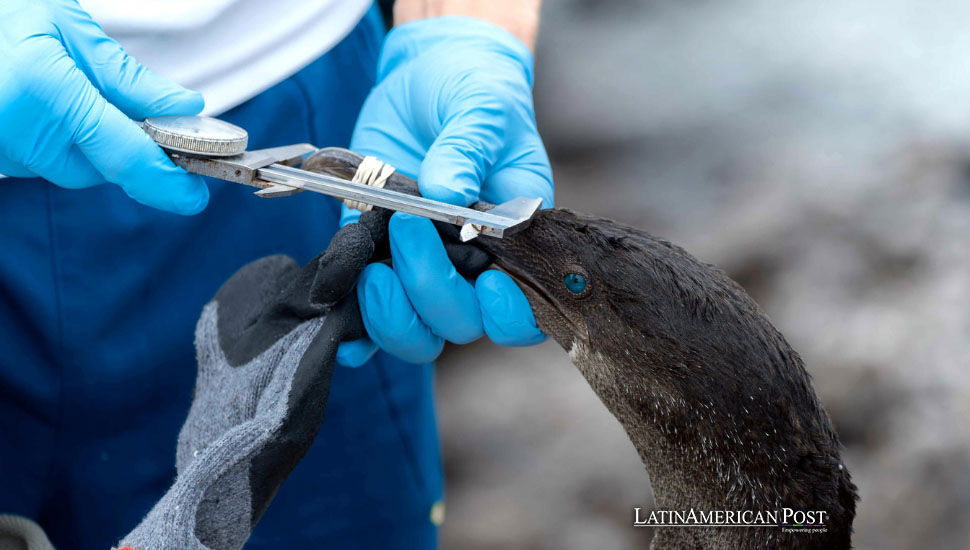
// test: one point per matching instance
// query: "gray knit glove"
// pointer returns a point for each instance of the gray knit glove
(20, 533)
(266, 347)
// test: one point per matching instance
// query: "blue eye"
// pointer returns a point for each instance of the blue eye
(574, 282)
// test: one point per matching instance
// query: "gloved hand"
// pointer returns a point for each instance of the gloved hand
(266, 346)
(68, 95)
(453, 106)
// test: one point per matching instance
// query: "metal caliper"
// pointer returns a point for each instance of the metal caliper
(215, 148)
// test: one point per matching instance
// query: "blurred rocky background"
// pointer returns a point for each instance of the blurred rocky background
(819, 151)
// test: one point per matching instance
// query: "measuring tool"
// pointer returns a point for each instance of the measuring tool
(215, 148)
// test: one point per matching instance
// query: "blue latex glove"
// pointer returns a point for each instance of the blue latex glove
(453, 106)
(67, 97)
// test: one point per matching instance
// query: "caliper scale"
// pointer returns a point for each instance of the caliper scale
(215, 148)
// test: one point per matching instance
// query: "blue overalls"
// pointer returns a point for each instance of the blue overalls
(98, 302)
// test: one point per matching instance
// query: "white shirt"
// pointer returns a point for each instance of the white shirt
(230, 50)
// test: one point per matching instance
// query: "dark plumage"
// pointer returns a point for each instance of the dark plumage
(717, 403)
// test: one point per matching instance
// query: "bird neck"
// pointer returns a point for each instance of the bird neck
(703, 458)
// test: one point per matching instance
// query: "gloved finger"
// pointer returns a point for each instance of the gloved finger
(14, 169)
(72, 170)
(120, 150)
(506, 312)
(356, 352)
(390, 320)
(468, 259)
(376, 222)
(470, 141)
(123, 81)
(529, 176)
(323, 282)
(442, 298)
(125, 155)
(387, 136)
(340, 265)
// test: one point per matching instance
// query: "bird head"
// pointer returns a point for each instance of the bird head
(612, 289)
(642, 318)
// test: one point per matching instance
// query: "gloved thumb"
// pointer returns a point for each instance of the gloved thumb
(464, 152)
(124, 82)
(340, 265)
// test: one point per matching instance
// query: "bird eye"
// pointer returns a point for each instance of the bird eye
(575, 283)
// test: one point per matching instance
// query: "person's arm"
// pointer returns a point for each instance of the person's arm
(519, 17)
(453, 109)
